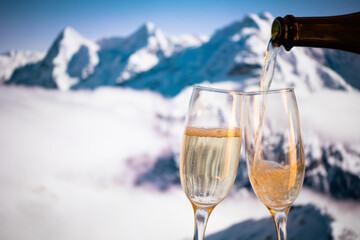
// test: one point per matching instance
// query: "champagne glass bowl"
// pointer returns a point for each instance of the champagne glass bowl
(210, 151)
(274, 151)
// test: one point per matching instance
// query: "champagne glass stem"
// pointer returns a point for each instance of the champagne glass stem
(280, 219)
(201, 218)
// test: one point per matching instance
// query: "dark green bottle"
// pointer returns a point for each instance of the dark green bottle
(336, 32)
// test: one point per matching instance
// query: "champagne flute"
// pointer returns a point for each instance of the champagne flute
(210, 151)
(274, 151)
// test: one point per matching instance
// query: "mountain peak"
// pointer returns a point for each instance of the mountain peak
(146, 35)
(68, 37)
(149, 26)
(70, 48)
(146, 29)
(255, 21)
(69, 32)
(266, 16)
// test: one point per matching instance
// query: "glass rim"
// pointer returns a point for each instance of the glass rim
(280, 90)
(211, 89)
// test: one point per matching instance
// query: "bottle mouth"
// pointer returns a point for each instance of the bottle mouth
(283, 32)
(277, 37)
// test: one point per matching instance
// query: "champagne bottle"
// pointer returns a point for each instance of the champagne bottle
(336, 32)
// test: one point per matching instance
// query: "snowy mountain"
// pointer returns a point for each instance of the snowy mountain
(236, 52)
(15, 59)
(70, 59)
(147, 57)
(140, 51)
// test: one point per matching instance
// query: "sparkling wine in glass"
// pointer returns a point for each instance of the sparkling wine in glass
(274, 151)
(210, 151)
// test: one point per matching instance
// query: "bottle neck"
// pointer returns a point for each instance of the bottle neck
(337, 32)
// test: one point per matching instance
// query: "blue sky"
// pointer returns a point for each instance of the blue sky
(34, 24)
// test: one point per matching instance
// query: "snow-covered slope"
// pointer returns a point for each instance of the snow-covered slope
(70, 59)
(14, 59)
(73, 58)
(145, 48)
(124, 58)
(188, 41)
(236, 52)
